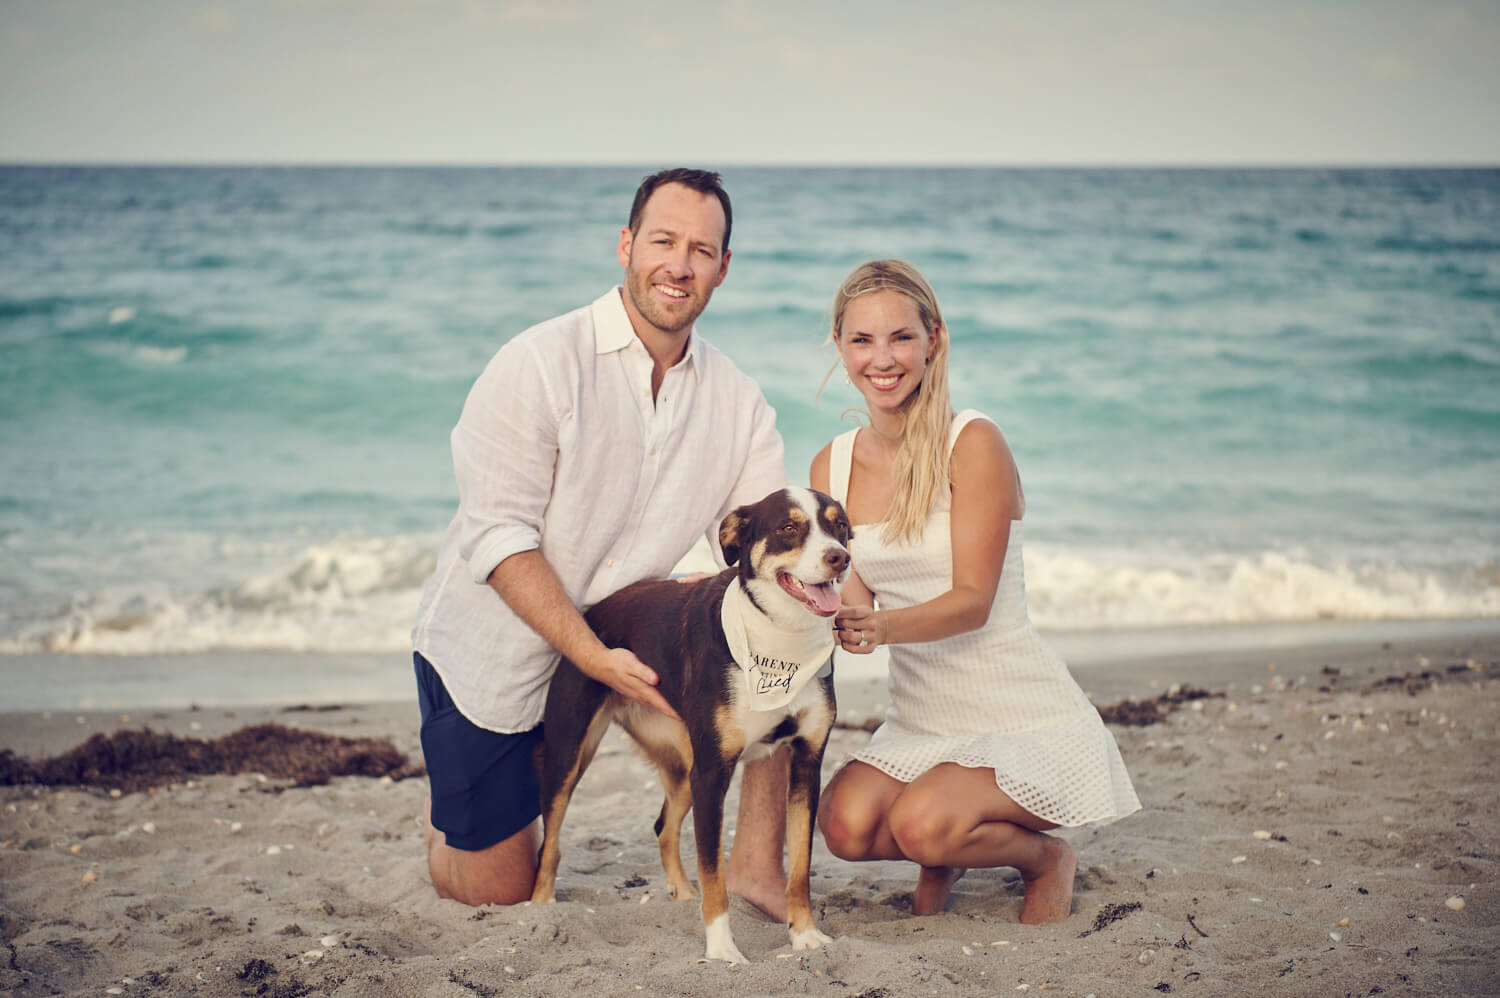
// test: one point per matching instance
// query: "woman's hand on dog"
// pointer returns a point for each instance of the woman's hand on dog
(859, 629)
(621, 671)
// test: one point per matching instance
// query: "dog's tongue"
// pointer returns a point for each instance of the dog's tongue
(824, 596)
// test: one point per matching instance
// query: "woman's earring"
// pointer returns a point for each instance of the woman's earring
(847, 379)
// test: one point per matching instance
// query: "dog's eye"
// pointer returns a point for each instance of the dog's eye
(788, 528)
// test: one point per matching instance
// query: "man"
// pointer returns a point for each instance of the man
(592, 452)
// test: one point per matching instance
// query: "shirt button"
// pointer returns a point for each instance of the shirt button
(610, 563)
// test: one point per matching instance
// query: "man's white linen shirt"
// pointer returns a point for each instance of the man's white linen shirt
(560, 449)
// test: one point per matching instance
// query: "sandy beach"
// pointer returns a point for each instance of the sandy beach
(1324, 823)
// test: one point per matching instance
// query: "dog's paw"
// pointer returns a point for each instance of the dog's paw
(809, 939)
(721, 943)
(727, 951)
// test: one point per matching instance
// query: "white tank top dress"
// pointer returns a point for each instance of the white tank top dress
(995, 698)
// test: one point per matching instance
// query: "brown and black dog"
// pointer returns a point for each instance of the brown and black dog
(789, 554)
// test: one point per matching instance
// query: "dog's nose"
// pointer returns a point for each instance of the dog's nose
(836, 559)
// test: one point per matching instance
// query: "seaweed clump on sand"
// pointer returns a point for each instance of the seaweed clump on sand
(1110, 914)
(132, 760)
(1413, 683)
(1140, 713)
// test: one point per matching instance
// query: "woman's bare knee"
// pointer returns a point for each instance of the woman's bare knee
(846, 835)
(924, 835)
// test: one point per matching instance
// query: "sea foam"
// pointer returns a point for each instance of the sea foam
(360, 596)
(1068, 590)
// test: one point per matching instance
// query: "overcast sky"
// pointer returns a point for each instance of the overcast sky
(750, 82)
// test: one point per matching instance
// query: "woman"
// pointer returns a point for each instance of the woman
(988, 742)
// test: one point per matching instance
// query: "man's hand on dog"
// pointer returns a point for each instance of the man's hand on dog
(621, 671)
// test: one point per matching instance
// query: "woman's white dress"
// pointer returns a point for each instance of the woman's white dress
(997, 697)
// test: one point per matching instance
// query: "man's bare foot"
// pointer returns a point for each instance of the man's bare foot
(933, 885)
(765, 891)
(1049, 892)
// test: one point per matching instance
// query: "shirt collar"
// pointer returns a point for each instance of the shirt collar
(613, 331)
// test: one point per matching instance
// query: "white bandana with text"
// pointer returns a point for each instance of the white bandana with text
(776, 664)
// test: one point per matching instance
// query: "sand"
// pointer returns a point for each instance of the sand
(1316, 828)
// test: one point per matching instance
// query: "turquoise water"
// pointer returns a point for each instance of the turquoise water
(1234, 395)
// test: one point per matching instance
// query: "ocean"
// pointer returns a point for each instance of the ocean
(1236, 397)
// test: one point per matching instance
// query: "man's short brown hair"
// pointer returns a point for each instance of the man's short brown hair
(702, 181)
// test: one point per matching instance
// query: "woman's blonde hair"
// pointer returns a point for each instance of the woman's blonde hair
(921, 463)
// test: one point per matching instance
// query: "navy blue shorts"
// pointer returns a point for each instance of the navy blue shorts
(484, 783)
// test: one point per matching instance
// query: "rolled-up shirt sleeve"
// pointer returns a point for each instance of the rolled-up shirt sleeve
(504, 456)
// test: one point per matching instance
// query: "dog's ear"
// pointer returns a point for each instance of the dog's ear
(842, 526)
(836, 520)
(732, 534)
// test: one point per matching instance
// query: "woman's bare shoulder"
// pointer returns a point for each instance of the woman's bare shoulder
(980, 442)
(982, 460)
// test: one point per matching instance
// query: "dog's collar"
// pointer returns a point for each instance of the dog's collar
(776, 664)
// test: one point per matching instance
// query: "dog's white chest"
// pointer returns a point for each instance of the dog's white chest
(809, 708)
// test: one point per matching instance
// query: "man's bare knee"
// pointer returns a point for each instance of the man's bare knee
(503, 874)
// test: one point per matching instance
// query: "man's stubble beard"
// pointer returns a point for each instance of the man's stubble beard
(638, 286)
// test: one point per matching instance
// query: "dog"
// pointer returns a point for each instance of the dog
(789, 554)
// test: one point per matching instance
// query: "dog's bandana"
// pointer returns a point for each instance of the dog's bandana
(776, 664)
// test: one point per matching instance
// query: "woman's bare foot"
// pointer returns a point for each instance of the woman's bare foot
(933, 885)
(1049, 891)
